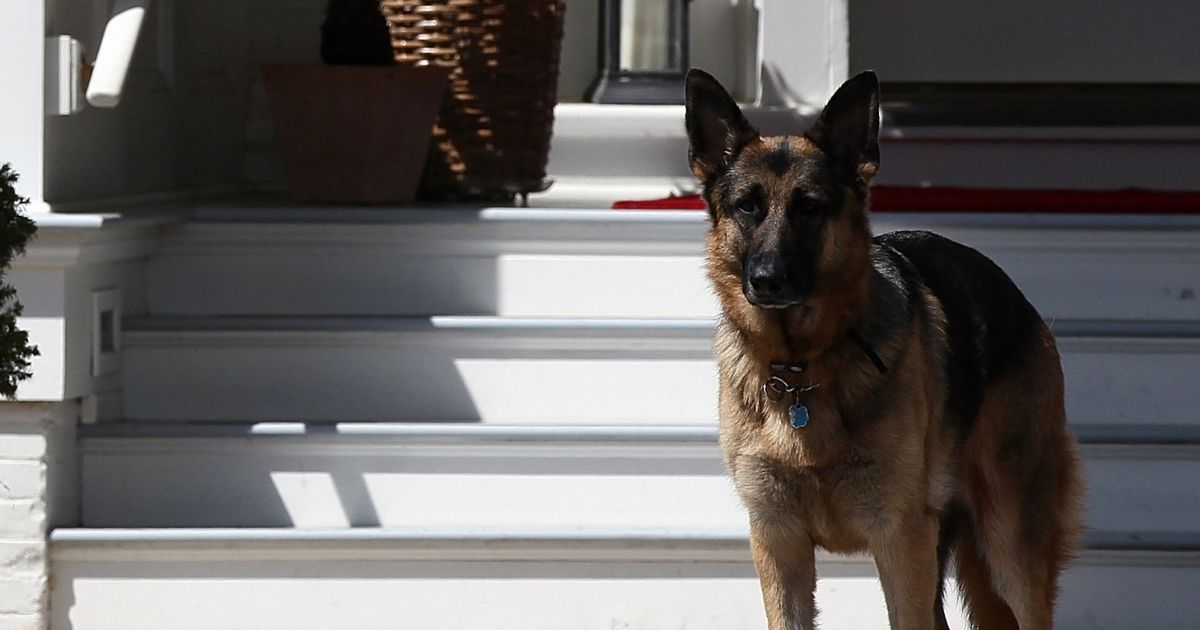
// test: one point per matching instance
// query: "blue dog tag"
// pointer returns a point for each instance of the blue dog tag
(798, 414)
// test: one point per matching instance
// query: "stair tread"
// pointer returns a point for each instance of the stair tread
(549, 325)
(272, 209)
(450, 323)
(1172, 541)
(275, 210)
(1099, 434)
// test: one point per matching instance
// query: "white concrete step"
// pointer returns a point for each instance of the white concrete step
(627, 142)
(549, 580)
(430, 477)
(256, 259)
(515, 370)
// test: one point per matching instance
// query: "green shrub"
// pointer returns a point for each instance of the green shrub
(15, 231)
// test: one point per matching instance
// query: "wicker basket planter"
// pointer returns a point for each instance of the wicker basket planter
(492, 136)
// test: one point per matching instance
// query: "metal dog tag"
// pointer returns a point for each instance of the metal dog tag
(798, 414)
(775, 388)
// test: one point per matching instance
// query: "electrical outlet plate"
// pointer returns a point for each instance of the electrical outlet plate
(106, 331)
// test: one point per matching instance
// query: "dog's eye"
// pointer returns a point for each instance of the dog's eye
(802, 206)
(748, 207)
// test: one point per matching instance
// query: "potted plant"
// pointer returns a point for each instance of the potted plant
(357, 128)
(15, 231)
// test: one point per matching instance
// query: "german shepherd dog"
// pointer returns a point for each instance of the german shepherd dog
(896, 395)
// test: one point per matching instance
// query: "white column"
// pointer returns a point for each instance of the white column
(37, 471)
(805, 51)
(22, 79)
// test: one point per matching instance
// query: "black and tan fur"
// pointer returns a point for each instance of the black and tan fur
(956, 450)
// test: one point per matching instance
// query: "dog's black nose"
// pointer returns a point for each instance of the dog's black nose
(768, 284)
(766, 281)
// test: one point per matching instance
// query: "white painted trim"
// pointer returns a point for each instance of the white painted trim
(161, 205)
(606, 337)
(685, 335)
(64, 240)
(351, 440)
(456, 324)
(468, 433)
(696, 443)
(220, 229)
(615, 545)
(804, 51)
(250, 535)
(68, 258)
(274, 211)
(1152, 440)
(837, 57)
(368, 545)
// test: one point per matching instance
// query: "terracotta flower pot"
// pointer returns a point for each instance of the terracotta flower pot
(354, 134)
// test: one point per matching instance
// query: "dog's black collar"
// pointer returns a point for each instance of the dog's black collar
(870, 352)
(796, 368)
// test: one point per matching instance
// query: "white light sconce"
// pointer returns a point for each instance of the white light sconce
(116, 52)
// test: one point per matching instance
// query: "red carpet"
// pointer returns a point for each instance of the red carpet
(905, 199)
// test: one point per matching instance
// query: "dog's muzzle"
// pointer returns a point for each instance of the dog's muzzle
(767, 285)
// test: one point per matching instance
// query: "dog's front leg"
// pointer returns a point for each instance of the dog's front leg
(787, 572)
(908, 570)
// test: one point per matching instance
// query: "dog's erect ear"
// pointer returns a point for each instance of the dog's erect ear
(848, 128)
(716, 128)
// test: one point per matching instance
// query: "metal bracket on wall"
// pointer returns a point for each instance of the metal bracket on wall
(66, 74)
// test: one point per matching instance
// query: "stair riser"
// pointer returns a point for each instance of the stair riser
(194, 482)
(440, 376)
(600, 270)
(599, 286)
(984, 163)
(511, 285)
(588, 143)
(996, 157)
(307, 594)
(440, 596)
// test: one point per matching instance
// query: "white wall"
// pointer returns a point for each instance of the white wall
(21, 78)
(1027, 40)
(71, 258)
(40, 467)
(179, 125)
(577, 67)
